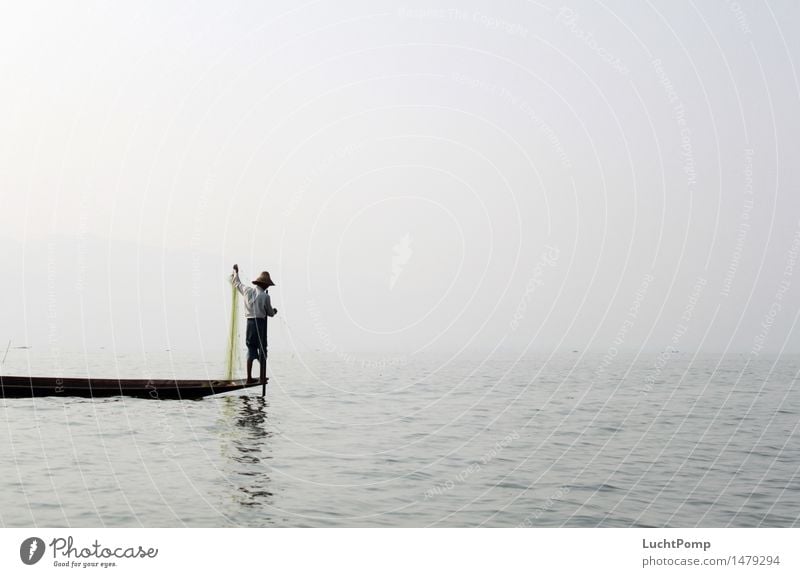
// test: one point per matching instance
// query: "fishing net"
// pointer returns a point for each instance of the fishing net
(232, 354)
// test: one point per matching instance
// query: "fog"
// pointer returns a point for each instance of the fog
(518, 177)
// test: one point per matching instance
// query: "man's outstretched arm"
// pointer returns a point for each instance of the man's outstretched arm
(235, 281)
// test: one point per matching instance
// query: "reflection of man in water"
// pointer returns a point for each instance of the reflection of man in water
(248, 450)
(257, 307)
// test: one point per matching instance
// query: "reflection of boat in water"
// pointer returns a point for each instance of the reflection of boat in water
(26, 387)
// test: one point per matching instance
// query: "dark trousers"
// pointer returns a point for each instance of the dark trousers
(256, 340)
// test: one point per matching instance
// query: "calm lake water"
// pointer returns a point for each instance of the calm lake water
(567, 441)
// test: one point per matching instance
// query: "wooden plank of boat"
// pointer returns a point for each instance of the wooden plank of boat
(26, 387)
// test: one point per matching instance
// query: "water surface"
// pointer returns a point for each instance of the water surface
(565, 441)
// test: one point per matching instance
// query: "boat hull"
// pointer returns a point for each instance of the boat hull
(27, 387)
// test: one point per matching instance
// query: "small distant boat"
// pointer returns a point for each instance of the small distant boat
(26, 387)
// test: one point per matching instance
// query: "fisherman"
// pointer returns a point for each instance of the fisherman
(257, 307)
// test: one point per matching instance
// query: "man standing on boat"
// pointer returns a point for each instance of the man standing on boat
(257, 307)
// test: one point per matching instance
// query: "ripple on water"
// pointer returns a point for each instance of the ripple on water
(533, 449)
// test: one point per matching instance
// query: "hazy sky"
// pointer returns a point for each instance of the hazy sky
(416, 177)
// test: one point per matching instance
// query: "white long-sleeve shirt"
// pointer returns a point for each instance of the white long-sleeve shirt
(257, 304)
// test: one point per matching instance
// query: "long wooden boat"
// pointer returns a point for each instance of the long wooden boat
(26, 387)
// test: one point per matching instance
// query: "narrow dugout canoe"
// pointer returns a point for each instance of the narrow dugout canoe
(26, 387)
